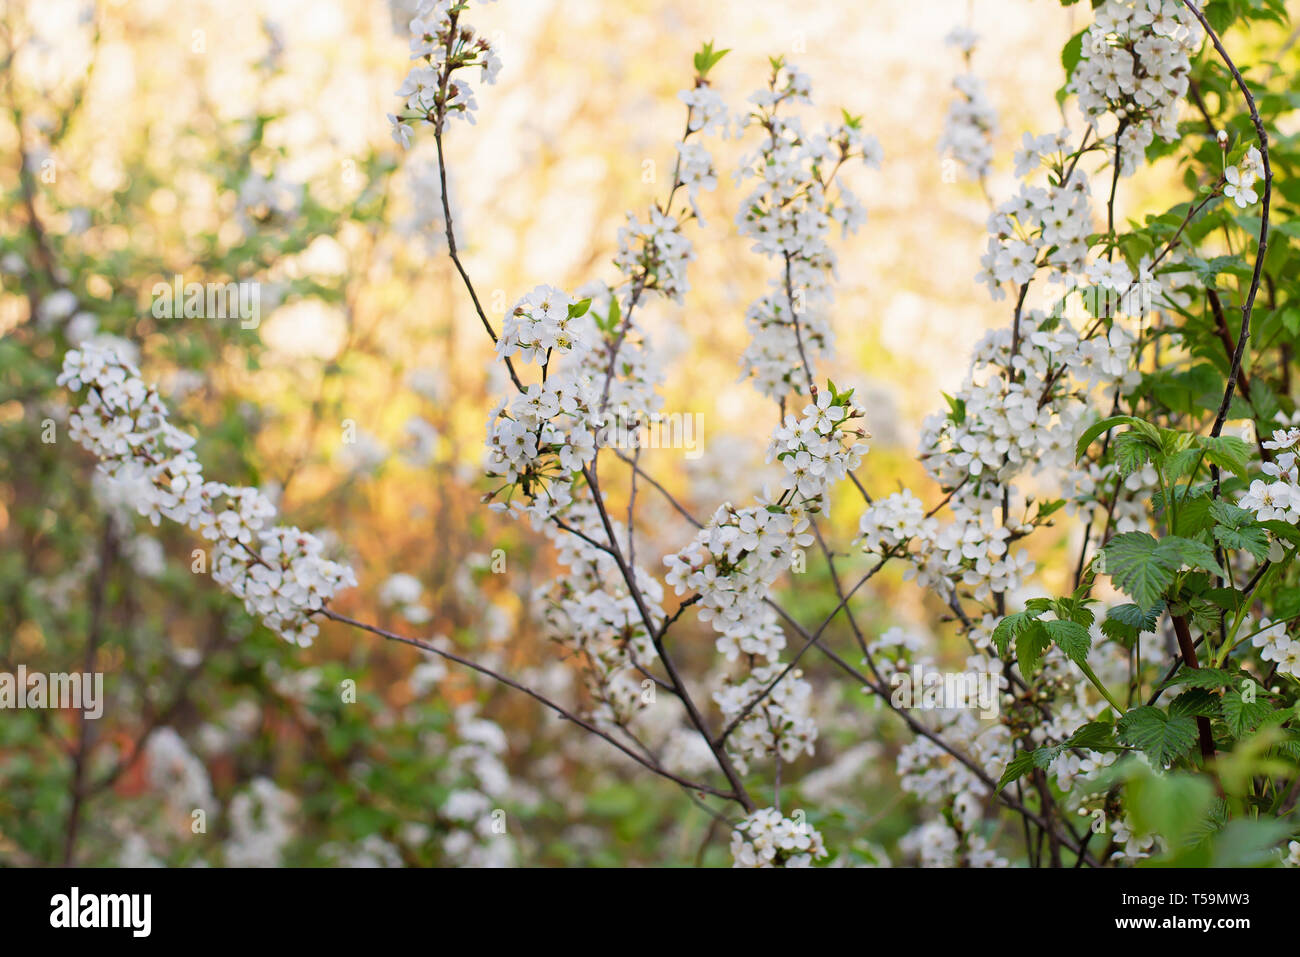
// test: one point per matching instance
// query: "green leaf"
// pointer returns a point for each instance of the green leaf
(1171, 805)
(1181, 463)
(1075, 609)
(1188, 551)
(708, 58)
(1118, 631)
(1072, 638)
(1232, 516)
(1162, 737)
(1237, 529)
(956, 409)
(1193, 515)
(1227, 452)
(1202, 677)
(1030, 645)
(1097, 428)
(1252, 540)
(1195, 703)
(1017, 767)
(1049, 508)
(1137, 568)
(1072, 52)
(1131, 453)
(1136, 618)
(1008, 628)
(1093, 735)
(1241, 715)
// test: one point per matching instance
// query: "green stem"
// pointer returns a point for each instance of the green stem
(1232, 641)
(1096, 683)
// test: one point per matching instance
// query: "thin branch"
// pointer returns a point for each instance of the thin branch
(536, 696)
(1249, 304)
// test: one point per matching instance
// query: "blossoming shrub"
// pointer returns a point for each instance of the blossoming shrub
(1107, 405)
(1108, 528)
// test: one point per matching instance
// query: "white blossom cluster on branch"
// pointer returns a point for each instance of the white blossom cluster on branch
(281, 573)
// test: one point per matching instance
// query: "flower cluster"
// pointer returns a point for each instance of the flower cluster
(731, 564)
(280, 573)
(443, 45)
(545, 320)
(777, 328)
(1039, 227)
(780, 724)
(1134, 63)
(933, 774)
(469, 831)
(1239, 181)
(820, 447)
(769, 839)
(630, 385)
(788, 215)
(972, 120)
(734, 560)
(1277, 646)
(268, 200)
(708, 111)
(937, 843)
(178, 773)
(655, 255)
(1278, 500)
(894, 520)
(403, 592)
(592, 614)
(1024, 410)
(538, 439)
(1028, 396)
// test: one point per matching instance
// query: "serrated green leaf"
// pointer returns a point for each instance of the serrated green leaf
(1008, 628)
(1210, 678)
(1118, 631)
(1031, 643)
(1188, 551)
(1227, 452)
(1072, 638)
(1137, 568)
(1253, 540)
(1131, 453)
(1230, 515)
(1136, 618)
(1193, 515)
(1162, 737)
(1093, 735)
(1195, 703)
(1017, 767)
(1241, 715)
